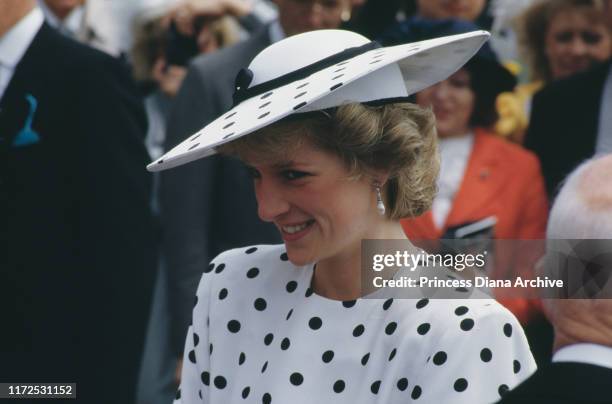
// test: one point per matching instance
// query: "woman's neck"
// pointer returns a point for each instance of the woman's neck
(339, 277)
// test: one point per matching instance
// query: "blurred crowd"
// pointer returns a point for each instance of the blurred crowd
(128, 249)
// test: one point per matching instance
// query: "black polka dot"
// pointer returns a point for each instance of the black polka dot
(486, 355)
(178, 395)
(251, 250)
(315, 323)
(210, 348)
(460, 385)
(462, 289)
(423, 328)
(193, 146)
(467, 324)
(308, 292)
(233, 326)
(222, 294)
(196, 339)
(291, 286)
(502, 390)
(327, 356)
(365, 359)
(416, 392)
(260, 304)
(289, 314)
(285, 343)
(390, 328)
(508, 330)
(358, 331)
(402, 384)
(205, 378)
(264, 367)
(266, 398)
(461, 310)
(220, 268)
(192, 356)
(516, 366)
(263, 115)
(195, 301)
(349, 303)
(268, 338)
(387, 304)
(266, 95)
(241, 358)
(300, 105)
(439, 358)
(284, 257)
(375, 387)
(335, 86)
(392, 354)
(252, 273)
(339, 386)
(422, 303)
(200, 394)
(296, 378)
(220, 382)
(245, 392)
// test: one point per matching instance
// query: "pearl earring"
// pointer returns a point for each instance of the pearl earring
(379, 202)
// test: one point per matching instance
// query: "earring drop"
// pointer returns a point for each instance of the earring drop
(380, 206)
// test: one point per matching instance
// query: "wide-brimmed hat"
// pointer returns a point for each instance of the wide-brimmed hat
(319, 70)
(485, 65)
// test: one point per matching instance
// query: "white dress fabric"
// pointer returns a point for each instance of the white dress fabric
(260, 335)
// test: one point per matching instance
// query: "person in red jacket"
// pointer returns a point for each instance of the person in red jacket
(482, 176)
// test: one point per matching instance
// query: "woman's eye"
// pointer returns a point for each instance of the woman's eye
(564, 36)
(293, 174)
(591, 38)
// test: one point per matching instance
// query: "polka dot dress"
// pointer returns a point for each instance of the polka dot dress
(260, 335)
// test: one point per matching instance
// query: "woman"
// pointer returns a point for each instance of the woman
(482, 177)
(289, 323)
(564, 37)
(558, 38)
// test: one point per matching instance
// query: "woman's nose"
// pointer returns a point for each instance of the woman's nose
(270, 200)
(578, 47)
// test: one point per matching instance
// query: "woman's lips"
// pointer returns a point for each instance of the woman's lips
(295, 232)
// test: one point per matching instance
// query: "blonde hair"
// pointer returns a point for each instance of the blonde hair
(532, 27)
(396, 138)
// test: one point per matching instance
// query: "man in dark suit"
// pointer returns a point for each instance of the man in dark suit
(581, 368)
(571, 121)
(208, 206)
(77, 239)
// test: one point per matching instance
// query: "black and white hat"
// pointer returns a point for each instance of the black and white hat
(323, 69)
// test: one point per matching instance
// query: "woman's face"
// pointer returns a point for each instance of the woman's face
(574, 43)
(452, 101)
(319, 210)
(440, 9)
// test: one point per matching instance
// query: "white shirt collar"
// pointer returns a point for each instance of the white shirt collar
(276, 32)
(16, 41)
(592, 354)
(72, 22)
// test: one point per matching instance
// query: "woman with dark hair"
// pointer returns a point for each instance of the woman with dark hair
(482, 176)
(337, 157)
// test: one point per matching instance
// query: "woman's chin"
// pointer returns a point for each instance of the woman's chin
(298, 258)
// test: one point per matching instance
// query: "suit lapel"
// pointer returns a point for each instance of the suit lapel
(480, 185)
(13, 107)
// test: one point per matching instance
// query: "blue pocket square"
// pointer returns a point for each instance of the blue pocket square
(27, 136)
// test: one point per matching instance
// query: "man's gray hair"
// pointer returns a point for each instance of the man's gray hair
(583, 208)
